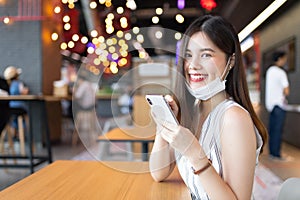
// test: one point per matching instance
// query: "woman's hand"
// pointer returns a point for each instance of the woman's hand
(179, 137)
(172, 104)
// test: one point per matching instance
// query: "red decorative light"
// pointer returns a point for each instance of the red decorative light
(208, 4)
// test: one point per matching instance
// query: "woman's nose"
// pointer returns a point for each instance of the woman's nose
(195, 64)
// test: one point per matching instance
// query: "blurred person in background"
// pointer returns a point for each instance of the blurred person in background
(16, 87)
(84, 93)
(277, 89)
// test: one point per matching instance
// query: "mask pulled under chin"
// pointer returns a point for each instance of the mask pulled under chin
(207, 91)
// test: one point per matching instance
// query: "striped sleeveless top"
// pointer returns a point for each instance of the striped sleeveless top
(210, 142)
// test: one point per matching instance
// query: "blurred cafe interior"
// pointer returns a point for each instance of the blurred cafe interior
(126, 49)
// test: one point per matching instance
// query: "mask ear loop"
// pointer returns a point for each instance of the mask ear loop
(228, 67)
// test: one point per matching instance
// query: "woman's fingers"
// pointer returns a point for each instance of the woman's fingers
(172, 104)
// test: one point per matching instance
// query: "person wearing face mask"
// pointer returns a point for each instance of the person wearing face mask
(217, 144)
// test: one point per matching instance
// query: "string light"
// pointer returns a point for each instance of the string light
(54, 36)
(208, 4)
(180, 4)
(155, 19)
(93, 5)
(179, 18)
(6, 20)
(159, 11)
(57, 9)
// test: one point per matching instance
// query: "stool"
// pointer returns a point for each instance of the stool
(21, 116)
(6, 132)
(85, 121)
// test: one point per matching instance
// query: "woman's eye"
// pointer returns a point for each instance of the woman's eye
(188, 55)
(205, 55)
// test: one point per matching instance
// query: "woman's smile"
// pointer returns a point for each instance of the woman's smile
(196, 78)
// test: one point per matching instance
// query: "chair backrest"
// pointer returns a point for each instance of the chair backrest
(290, 189)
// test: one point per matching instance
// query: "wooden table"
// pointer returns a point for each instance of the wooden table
(143, 135)
(96, 180)
(34, 160)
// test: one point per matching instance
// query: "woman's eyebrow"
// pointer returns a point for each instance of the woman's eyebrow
(207, 49)
(203, 49)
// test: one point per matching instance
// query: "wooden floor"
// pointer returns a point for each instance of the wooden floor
(284, 170)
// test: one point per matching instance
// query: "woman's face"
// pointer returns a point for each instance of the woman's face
(204, 61)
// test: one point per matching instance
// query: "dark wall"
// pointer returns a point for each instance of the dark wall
(20, 44)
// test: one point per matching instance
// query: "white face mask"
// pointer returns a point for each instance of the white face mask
(209, 90)
(212, 88)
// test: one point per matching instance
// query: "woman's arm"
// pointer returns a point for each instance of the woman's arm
(238, 145)
(162, 159)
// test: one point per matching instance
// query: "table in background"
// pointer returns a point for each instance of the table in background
(96, 180)
(132, 135)
(34, 160)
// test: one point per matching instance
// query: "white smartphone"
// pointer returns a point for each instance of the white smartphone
(161, 109)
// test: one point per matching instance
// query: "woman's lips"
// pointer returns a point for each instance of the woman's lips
(197, 77)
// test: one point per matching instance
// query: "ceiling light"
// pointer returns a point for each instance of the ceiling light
(131, 4)
(93, 5)
(120, 10)
(159, 11)
(71, 5)
(108, 4)
(94, 33)
(110, 16)
(177, 36)
(247, 44)
(135, 30)
(63, 46)
(84, 40)
(155, 19)
(260, 18)
(67, 26)
(57, 9)
(75, 37)
(140, 38)
(120, 34)
(66, 18)
(158, 34)
(112, 49)
(54, 36)
(179, 18)
(71, 44)
(6, 20)
(127, 36)
(110, 30)
(90, 50)
(101, 39)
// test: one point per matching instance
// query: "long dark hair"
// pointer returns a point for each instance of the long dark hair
(224, 36)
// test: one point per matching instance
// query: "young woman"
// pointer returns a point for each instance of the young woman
(217, 143)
